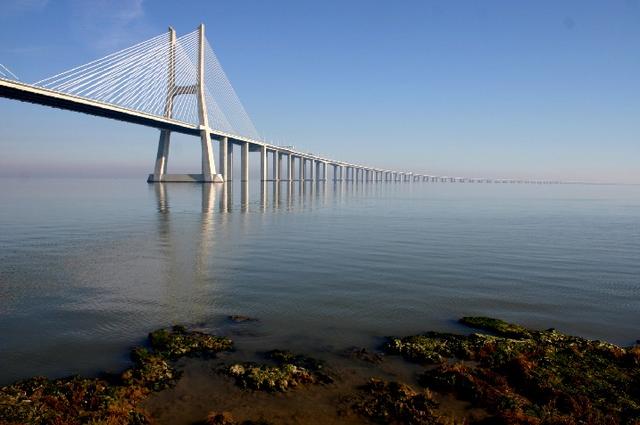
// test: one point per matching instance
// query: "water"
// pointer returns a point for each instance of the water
(88, 267)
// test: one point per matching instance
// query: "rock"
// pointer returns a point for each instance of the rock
(63, 401)
(237, 318)
(224, 418)
(78, 400)
(289, 371)
(528, 376)
(270, 378)
(364, 355)
(497, 326)
(317, 367)
(396, 403)
(151, 370)
(179, 342)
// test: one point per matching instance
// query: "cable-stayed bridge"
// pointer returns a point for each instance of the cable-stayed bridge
(176, 84)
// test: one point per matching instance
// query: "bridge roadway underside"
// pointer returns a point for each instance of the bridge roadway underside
(47, 98)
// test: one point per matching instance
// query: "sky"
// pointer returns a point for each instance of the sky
(514, 89)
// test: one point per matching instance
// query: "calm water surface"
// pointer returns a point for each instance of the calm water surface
(88, 267)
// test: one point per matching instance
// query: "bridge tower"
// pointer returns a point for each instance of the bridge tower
(208, 174)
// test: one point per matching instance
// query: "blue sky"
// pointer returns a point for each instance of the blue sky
(545, 89)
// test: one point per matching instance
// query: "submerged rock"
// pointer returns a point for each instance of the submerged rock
(497, 326)
(397, 403)
(364, 355)
(527, 376)
(220, 418)
(238, 318)
(226, 418)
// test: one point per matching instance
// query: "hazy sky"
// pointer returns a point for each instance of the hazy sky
(546, 89)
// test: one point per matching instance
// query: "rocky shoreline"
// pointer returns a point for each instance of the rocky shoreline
(502, 373)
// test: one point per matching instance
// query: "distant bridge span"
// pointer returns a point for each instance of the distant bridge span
(177, 85)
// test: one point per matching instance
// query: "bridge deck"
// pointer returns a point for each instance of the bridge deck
(42, 96)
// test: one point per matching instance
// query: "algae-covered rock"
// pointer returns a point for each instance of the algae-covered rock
(150, 370)
(397, 403)
(497, 326)
(179, 342)
(270, 378)
(77, 400)
(528, 376)
(70, 401)
(290, 370)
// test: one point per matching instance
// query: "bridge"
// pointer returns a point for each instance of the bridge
(176, 84)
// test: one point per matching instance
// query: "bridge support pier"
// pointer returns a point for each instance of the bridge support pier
(208, 174)
(224, 143)
(263, 163)
(244, 159)
(163, 155)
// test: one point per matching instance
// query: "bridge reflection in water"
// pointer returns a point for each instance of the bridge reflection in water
(228, 197)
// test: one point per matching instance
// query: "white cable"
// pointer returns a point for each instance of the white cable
(8, 72)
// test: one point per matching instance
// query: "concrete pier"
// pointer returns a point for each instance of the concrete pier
(244, 162)
(223, 151)
(229, 162)
(275, 170)
(263, 163)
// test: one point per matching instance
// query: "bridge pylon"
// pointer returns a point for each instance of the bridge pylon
(208, 174)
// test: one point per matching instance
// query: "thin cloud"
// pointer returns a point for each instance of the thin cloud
(12, 8)
(109, 25)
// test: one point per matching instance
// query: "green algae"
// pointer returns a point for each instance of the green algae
(150, 370)
(269, 378)
(511, 374)
(397, 403)
(527, 376)
(70, 401)
(497, 326)
(290, 370)
(178, 342)
(77, 400)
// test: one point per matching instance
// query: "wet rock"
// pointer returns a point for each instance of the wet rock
(317, 367)
(283, 357)
(150, 370)
(179, 342)
(269, 378)
(397, 403)
(70, 401)
(100, 401)
(290, 370)
(434, 347)
(238, 318)
(496, 326)
(224, 418)
(364, 355)
(528, 376)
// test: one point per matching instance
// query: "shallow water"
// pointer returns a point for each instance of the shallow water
(88, 267)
